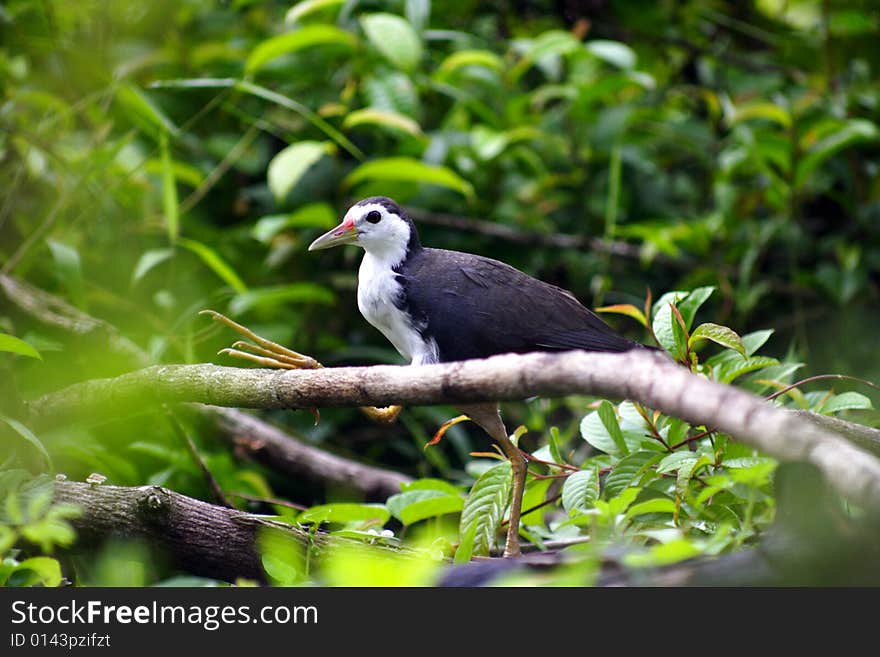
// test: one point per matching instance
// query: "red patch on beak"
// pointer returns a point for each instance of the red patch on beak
(345, 226)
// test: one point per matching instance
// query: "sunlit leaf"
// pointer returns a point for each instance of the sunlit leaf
(313, 215)
(614, 52)
(405, 169)
(414, 505)
(852, 132)
(306, 7)
(346, 512)
(722, 335)
(625, 309)
(394, 38)
(139, 107)
(29, 436)
(761, 110)
(271, 296)
(11, 344)
(149, 260)
(464, 58)
(170, 207)
(846, 401)
(301, 39)
(288, 167)
(215, 263)
(382, 118)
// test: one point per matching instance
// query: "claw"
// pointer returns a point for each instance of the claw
(444, 428)
(315, 414)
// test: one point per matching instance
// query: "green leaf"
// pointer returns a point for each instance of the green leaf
(656, 505)
(44, 571)
(139, 108)
(609, 421)
(170, 206)
(345, 512)
(407, 169)
(276, 295)
(18, 346)
(288, 167)
(627, 470)
(465, 58)
(414, 505)
(485, 505)
(755, 340)
(394, 38)
(302, 9)
(313, 215)
(386, 119)
(301, 39)
(552, 43)
(720, 335)
(689, 306)
(846, 401)
(215, 263)
(148, 260)
(736, 367)
(665, 326)
(30, 437)
(580, 490)
(676, 460)
(614, 52)
(429, 483)
(68, 267)
(852, 132)
(761, 110)
(594, 431)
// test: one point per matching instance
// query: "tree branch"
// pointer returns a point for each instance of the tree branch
(532, 237)
(642, 376)
(287, 455)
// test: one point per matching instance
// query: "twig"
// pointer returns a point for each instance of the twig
(213, 484)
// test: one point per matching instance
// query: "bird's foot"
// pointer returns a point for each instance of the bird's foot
(271, 354)
(260, 350)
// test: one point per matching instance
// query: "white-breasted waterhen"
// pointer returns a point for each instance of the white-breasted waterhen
(436, 305)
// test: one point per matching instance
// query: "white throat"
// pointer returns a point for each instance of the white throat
(378, 289)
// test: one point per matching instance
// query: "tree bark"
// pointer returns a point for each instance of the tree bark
(199, 538)
(643, 376)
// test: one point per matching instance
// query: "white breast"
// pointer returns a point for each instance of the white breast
(377, 290)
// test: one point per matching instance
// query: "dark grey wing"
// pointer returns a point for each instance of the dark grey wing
(476, 307)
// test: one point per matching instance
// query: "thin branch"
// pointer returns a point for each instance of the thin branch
(213, 484)
(293, 457)
(643, 376)
(531, 237)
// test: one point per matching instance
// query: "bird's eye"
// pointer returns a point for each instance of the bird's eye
(374, 216)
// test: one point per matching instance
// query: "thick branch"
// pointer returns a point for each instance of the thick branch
(642, 376)
(200, 538)
(290, 456)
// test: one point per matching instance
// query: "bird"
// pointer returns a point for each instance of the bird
(437, 305)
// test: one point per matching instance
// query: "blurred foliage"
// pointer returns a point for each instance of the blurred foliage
(159, 158)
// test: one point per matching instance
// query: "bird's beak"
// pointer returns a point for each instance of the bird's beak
(344, 233)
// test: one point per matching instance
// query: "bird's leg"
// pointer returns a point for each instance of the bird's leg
(271, 354)
(488, 416)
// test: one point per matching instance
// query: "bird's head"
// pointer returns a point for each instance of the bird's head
(378, 225)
